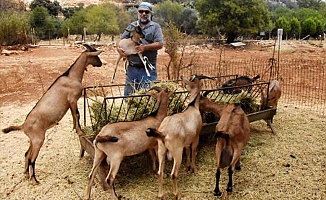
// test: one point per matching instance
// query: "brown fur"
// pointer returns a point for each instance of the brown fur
(50, 109)
(233, 131)
(117, 140)
(177, 132)
(271, 99)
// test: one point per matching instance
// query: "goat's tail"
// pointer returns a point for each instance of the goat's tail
(105, 138)
(152, 132)
(12, 128)
(221, 134)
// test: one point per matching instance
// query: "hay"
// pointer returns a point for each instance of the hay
(140, 105)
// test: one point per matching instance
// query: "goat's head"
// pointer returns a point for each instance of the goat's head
(137, 33)
(92, 56)
(193, 85)
(160, 91)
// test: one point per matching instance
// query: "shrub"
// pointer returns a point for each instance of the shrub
(14, 28)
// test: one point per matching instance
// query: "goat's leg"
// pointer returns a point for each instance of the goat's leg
(218, 152)
(269, 124)
(98, 158)
(153, 157)
(217, 191)
(28, 161)
(36, 146)
(230, 183)
(114, 168)
(238, 166)
(115, 69)
(235, 159)
(144, 63)
(177, 155)
(194, 146)
(76, 116)
(188, 161)
(161, 159)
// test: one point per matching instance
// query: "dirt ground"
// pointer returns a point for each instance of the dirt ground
(25, 76)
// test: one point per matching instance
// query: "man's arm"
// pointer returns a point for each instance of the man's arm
(149, 47)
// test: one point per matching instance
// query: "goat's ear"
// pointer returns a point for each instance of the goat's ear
(96, 53)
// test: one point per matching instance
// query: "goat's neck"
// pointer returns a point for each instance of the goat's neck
(78, 68)
(163, 109)
(136, 40)
(217, 109)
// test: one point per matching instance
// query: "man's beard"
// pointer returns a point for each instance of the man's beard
(144, 21)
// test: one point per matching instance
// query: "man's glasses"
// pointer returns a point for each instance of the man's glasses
(144, 11)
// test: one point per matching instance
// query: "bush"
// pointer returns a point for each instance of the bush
(14, 28)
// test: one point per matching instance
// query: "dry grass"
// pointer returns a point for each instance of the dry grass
(290, 165)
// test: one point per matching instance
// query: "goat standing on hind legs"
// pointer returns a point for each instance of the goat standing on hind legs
(62, 95)
(233, 132)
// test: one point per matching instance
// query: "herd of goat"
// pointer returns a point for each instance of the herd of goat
(163, 136)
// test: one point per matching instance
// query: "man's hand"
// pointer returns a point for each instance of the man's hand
(140, 48)
(121, 52)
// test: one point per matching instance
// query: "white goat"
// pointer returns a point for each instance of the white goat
(271, 99)
(50, 109)
(117, 140)
(128, 45)
(177, 132)
(232, 131)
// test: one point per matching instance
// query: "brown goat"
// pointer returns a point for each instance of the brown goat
(232, 131)
(117, 140)
(50, 109)
(271, 99)
(128, 45)
(177, 132)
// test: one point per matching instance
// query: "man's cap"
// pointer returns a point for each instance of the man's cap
(146, 5)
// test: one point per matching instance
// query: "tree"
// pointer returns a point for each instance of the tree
(42, 22)
(309, 26)
(167, 12)
(75, 24)
(14, 28)
(53, 7)
(233, 17)
(185, 18)
(102, 19)
(295, 27)
(283, 24)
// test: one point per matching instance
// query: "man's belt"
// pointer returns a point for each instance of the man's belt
(136, 65)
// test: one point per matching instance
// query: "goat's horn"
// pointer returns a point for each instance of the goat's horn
(89, 47)
(199, 77)
(206, 93)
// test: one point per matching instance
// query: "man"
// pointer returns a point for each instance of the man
(136, 77)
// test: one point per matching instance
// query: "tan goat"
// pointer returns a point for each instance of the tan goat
(117, 140)
(271, 99)
(232, 131)
(50, 109)
(177, 132)
(128, 45)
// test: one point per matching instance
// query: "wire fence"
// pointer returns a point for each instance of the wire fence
(303, 82)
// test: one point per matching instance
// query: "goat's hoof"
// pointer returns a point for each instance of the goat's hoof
(229, 189)
(218, 194)
(191, 170)
(238, 168)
